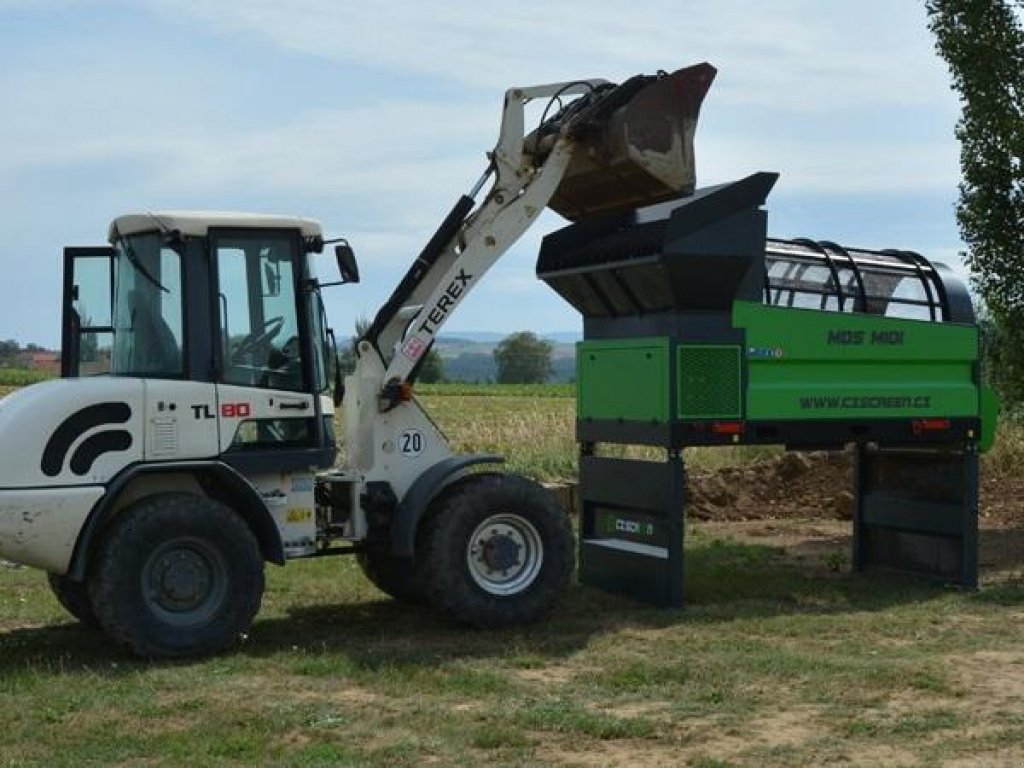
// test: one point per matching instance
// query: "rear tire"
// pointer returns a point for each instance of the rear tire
(74, 598)
(497, 551)
(394, 576)
(177, 575)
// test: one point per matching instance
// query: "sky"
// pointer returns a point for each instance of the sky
(375, 117)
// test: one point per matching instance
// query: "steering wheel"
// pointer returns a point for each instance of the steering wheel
(257, 339)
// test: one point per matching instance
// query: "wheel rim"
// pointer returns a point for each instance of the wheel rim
(185, 582)
(505, 554)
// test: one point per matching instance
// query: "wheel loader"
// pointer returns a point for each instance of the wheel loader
(191, 437)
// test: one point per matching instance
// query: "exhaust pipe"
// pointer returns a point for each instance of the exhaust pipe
(634, 143)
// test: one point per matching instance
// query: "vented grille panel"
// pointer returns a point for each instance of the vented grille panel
(709, 381)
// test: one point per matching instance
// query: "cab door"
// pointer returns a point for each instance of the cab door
(87, 330)
(270, 415)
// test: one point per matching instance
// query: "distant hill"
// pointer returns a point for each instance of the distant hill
(493, 337)
(470, 356)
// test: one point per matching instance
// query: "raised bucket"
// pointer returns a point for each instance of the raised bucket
(635, 145)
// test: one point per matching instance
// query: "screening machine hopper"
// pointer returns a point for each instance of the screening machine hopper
(701, 330)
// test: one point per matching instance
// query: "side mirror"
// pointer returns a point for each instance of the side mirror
(347, 266)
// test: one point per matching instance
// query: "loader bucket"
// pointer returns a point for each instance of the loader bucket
(635, 146)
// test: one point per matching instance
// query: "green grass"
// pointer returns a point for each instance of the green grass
(772, 663)
(536, 431)
(460, 389)
(21, 377)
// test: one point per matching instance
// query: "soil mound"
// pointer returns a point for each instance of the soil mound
(816, 486)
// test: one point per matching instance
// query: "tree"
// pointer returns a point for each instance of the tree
(89, 344)
(983, 43)
(347, 352)
(432, 370)
(522, 358)
(9, 351)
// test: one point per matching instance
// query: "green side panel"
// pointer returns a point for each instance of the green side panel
(809, 364)
(708, 379)
(623, 379)
(989, 418)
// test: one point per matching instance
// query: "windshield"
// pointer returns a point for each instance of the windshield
(148, 328)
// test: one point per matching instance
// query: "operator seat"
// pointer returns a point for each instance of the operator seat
(155, 350)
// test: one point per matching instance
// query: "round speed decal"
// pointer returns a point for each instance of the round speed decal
(411, 442)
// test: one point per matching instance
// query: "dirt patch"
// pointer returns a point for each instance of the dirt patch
(999, 674)
(691, 739)
(656, 710)
(791, 727)
(1002, 497)
(611, 754)
(546, 675)
(817, 486)
(793, 485)
(300, 689)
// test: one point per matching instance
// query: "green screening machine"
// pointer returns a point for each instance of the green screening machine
(700, 330)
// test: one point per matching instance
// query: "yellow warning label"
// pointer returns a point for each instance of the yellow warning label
(299, 514)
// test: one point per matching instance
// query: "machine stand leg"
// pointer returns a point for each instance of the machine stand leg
(631, 537)
(917, 511)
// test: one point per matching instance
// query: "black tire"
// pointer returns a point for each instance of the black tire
(74, 598)
(497, 551)
(177, 575)
(394, 576)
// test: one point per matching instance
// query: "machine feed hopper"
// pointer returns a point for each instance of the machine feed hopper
(701, 330)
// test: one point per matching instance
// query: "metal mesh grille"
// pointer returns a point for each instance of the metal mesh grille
(709, 381)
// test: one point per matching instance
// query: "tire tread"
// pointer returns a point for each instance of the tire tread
(145, 522)
(446, 575)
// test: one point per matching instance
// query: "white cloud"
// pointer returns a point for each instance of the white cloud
(801, 54)
(825, 165)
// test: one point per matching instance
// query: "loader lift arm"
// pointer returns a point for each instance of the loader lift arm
(634, 140)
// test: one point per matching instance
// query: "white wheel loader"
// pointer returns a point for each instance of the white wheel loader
(191, 436)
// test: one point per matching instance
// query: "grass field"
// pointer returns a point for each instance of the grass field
(777, 661)
(782, 657)
(19, 377)
(535, 429)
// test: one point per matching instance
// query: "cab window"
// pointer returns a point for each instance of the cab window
(148, 317)
(259, 329)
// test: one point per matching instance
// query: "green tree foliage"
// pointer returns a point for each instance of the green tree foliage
(9, 352)
(89, 344)
(347, 352)
(983, 43)
(432, 370)
(523, 358)
(1002, 343)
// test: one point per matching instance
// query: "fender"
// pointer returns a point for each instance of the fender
(243, 497)
(413, 505)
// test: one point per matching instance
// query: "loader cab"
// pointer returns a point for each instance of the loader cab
(226, 299)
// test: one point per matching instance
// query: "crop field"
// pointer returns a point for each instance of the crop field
(534, 427)
(782, 657)
(11, 378)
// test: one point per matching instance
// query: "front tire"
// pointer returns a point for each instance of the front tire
(177, 575)
(497, 552)
(74, 598)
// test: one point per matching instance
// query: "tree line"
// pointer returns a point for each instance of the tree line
(13, 355)
(520, 358)
(982, 41)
